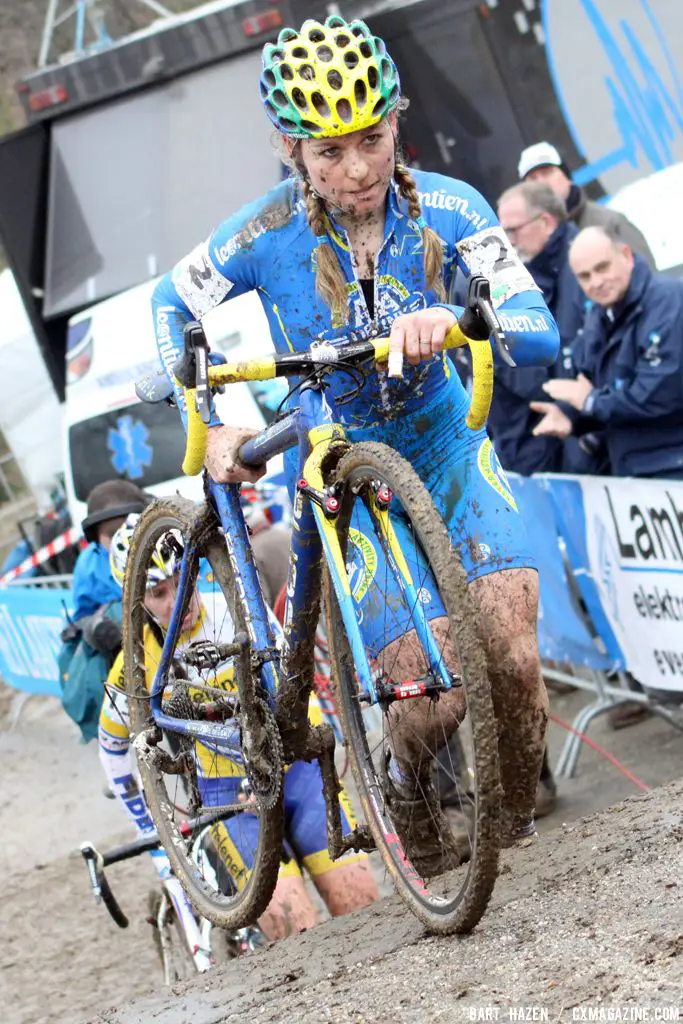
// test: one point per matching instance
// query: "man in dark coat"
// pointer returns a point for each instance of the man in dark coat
(629, 361)
(535, 221)
(542, 163)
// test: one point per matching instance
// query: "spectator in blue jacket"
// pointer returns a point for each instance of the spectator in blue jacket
(535, 220)
(629, 361)
(94, 587)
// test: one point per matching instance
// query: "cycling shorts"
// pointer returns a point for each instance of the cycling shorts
(305, 827)
(470, 490)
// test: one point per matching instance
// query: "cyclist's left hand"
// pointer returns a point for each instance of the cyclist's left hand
(421, 335)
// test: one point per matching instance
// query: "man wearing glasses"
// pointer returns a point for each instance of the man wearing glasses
(535, 220)
(542, 164)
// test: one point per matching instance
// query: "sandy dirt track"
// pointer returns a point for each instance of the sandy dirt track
(592, 910)
(589, 914)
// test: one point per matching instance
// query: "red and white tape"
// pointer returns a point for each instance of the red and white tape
(55, 547)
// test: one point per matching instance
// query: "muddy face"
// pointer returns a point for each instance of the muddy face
(351, 173)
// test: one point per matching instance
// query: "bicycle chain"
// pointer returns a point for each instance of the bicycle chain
(264, 766)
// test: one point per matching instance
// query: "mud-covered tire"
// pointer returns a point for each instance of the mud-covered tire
(464, 911)
(232, 910)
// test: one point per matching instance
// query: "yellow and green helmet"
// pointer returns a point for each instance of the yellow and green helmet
(328, 79)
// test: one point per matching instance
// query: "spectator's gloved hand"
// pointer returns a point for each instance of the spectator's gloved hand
(105, 635)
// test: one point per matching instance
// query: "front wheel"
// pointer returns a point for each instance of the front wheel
(431, 794)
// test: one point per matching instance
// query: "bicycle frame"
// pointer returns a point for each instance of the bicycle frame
(313, 535)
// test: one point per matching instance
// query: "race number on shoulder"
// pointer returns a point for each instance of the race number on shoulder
(490, 253)
(198, 283)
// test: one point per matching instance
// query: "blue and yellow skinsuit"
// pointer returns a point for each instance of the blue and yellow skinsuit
(269, 247)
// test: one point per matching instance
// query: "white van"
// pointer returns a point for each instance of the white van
(109, 433)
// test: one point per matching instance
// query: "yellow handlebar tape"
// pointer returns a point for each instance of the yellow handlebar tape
(264, 368)
(482, 384)
(197, 434)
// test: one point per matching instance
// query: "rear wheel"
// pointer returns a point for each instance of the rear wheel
(434, 815)
(187, 781)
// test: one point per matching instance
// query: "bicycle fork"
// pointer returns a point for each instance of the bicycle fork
(174, 899)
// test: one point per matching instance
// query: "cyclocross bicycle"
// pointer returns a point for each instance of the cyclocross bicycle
(344, 492)
(186, 945)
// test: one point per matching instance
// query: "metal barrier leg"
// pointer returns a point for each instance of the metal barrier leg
(568, 759)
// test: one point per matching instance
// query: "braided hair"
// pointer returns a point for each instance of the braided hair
(330, 281)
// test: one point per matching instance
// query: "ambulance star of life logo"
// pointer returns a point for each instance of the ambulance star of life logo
(128, 444)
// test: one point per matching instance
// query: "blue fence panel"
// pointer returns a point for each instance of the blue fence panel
(562, 635)
(31, 620)
(566, 495)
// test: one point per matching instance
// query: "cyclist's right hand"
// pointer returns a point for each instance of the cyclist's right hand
(221, 460)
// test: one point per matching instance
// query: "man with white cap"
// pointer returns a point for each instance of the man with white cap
(543, 163)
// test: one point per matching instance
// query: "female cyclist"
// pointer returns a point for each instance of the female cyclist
(354, 245)
(344, 885)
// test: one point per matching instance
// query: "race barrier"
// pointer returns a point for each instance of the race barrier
(31, 620)
(610, 558)
(55, 547)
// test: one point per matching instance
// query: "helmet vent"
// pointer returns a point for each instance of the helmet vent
(342, 40)
(286, 72)
(279, 98)
(320, 104)
(351, 58)
(335, 79)
(365, 49)
(344, 111)
(299, 98)
(307, 72)
(325, 53)
(316, 35)
(301, 52)
(360, 92)
(373, 78)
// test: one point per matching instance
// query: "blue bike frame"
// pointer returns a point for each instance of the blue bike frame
(310, 536)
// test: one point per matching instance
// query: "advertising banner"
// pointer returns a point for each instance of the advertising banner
(634, 541)
(562, 635)
(31, 619)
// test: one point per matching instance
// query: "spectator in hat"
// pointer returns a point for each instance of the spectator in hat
(94, 587)
(543, 163)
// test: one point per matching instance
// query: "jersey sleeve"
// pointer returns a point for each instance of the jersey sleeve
(223, 267)
(482, 247)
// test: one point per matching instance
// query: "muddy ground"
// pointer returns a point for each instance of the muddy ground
(592, 911)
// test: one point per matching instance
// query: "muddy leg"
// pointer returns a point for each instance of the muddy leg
(290, 911)
(508, 606)
(419, 727)
(347, 887)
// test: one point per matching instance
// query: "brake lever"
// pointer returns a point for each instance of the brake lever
(479, 302)
(93, 862)
(191, 370)
(195, 337)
